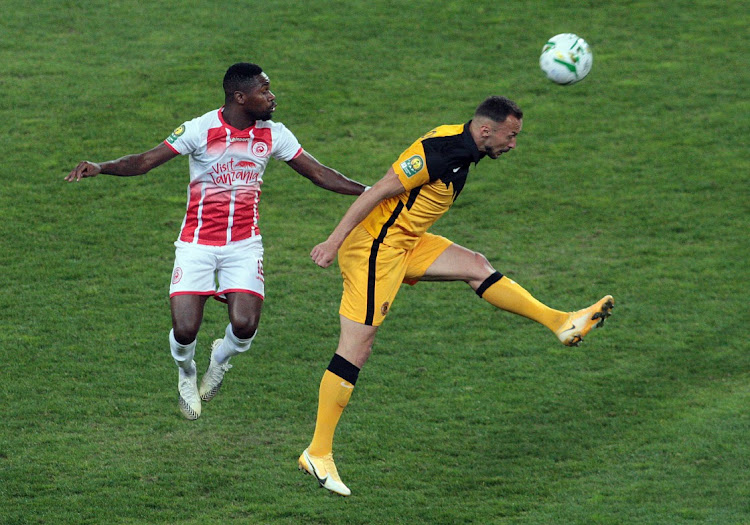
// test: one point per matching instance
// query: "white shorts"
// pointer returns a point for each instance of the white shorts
(216, 270)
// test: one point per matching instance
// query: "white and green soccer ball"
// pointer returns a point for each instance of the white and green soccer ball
(566, 59)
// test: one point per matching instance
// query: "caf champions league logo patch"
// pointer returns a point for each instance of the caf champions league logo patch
(412, 165)
(176, 133)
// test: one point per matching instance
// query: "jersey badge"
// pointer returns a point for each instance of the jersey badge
(412, 165)
(175, 134)
(384, 309)
(259, 149)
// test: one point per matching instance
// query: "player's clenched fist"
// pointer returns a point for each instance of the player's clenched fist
(324, 254)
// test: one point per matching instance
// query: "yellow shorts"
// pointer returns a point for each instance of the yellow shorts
(373, 272)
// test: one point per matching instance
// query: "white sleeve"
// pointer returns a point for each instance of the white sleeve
(186, 138)
(285, 144)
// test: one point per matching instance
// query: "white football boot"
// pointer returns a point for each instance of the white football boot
(190, 402)
(214, 376)
(324, 470)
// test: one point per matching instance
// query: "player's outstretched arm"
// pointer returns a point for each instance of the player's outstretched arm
(389, 186)
(126, 166)
(323, 176)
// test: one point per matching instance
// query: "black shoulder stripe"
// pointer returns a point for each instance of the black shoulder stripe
(412, 197)
(391, 220)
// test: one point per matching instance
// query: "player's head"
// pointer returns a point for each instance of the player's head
(496, 123)
(246, 85)
(498, 108)
(241, 77)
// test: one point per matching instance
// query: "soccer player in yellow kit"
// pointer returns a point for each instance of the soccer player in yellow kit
(382, 241)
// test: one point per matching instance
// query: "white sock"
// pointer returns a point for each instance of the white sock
(182, 354)
(231, 346)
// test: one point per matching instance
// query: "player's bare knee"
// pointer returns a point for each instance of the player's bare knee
(479, 267)
(185, 332)
(244, 326)
(246, 332)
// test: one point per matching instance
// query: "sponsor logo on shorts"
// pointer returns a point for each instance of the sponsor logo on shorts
(175, 134)
(412, 165)
(384, 308)
(177, 275)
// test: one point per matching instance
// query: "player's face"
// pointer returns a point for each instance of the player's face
(501, 137)
(260, 102)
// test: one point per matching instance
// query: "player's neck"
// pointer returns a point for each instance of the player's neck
(237, 119)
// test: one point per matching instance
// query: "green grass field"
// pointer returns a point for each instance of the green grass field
(633, 182)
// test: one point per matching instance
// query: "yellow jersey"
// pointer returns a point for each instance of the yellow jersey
(433, 171)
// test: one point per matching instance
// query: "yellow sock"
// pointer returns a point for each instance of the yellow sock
(335, 390)
(506, 294)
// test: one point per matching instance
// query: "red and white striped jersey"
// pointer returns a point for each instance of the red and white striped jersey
(226, 173)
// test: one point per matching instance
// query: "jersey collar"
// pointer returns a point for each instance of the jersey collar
(471, 146)
(232, 129)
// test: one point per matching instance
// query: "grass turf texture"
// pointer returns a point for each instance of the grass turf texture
(633, 182)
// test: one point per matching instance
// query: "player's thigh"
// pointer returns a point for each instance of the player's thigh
(456, 263)
(187, 315)
(244, 313)
(372, 274)
(421, 259)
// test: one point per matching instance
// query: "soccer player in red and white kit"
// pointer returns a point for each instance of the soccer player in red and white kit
(220, 239)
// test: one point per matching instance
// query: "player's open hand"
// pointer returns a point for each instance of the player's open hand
(324, 253)
(83, 170)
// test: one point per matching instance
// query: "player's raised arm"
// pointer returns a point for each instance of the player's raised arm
(323, 176)
(126, 166)
(389, 186)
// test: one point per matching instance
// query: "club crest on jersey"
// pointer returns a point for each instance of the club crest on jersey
(259, 149)
(412, 165)
(384, 308)
(175, 134)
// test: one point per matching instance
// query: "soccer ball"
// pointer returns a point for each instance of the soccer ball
(566, 59)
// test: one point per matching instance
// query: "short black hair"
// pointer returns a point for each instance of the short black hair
(240, 77)
(498, 108)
